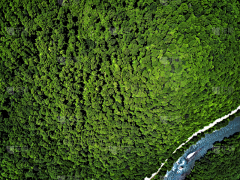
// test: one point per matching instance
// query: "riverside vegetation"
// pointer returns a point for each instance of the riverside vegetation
(109, 89)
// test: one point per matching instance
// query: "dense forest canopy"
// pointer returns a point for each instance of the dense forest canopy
(108, 89)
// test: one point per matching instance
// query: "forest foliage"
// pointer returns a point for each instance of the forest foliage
(108, 89)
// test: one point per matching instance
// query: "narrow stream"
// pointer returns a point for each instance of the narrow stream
(183, 166)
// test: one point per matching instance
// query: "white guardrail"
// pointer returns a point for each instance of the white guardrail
(200, 131)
